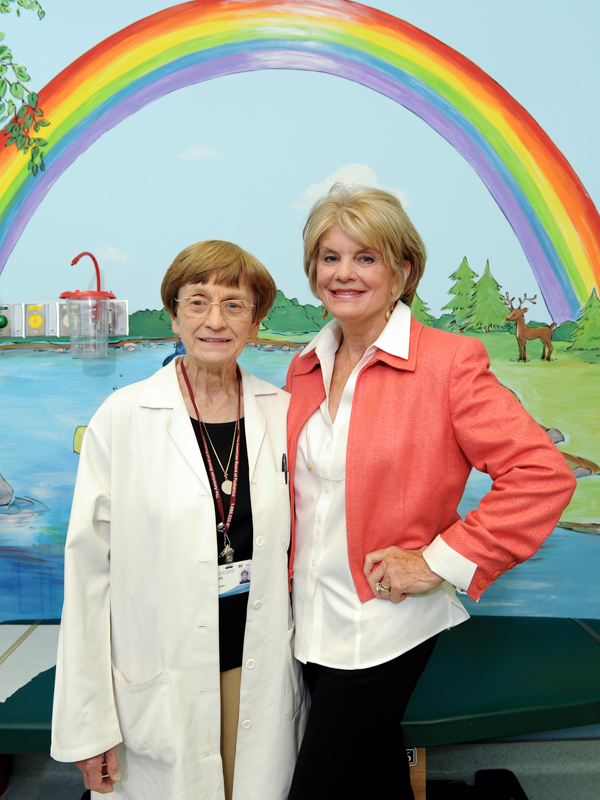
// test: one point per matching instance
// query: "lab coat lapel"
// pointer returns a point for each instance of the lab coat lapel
(162, 391)
(256, 422)
(181, 432)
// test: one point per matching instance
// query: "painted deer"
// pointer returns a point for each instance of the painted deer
(524, 332)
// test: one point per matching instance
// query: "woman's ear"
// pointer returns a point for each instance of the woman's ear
(407, 268)
(253, 332)
(175, 325)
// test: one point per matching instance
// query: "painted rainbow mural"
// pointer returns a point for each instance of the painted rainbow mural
(532, 182)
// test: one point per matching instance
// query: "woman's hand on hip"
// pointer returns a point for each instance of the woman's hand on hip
(402, 572)
(100, 773)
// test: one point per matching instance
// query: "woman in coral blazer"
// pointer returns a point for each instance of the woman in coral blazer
(387, 419)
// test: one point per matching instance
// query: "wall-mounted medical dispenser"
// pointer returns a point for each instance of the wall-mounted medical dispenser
(88, 316)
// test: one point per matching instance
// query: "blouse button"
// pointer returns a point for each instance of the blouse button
(259, 541)
(482, 584)
(247, 724)
(496, 575)
(512, 565)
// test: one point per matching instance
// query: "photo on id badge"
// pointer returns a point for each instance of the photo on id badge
(234, 578)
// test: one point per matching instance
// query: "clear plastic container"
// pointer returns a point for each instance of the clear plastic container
(88, 326)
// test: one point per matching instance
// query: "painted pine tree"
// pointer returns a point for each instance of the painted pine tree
(487, 310)
(462, 291)
(420, 311)
(586, 335)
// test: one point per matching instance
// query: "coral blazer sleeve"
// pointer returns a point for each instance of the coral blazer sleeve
(532, 482)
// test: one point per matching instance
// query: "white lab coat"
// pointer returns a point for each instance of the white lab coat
(138, 658)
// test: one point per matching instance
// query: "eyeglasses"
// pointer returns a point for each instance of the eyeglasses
(200, 307)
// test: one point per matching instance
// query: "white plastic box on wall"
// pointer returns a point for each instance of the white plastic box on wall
(41, 319)
(118, 322)
(11, 320)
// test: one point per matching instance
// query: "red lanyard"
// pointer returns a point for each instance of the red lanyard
(224, 525)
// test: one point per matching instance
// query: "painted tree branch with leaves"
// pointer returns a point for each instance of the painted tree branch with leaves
(19, 107)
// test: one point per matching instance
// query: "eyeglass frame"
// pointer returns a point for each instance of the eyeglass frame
(185, 302)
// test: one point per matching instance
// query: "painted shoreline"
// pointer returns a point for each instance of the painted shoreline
(65, 344)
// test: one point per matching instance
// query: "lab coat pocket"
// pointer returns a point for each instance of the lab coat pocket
(295, 681)
(145, 716)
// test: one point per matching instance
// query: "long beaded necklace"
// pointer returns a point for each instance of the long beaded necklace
(222, 527)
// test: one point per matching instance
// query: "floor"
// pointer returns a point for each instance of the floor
(557, 770)
(37, 777)
(560, 770)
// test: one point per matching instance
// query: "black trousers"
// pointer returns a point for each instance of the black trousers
(353, 747)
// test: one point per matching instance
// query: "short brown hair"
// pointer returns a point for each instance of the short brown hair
(225, 263)
(374, 218)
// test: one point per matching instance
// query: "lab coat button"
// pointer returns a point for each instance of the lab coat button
(482, 584)
(257, 604)
(512, 565)
(260, 542)
(254, 480)
(250, 663)
(247, 724)
(496, 575)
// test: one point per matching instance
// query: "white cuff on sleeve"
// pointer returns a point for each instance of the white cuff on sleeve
(449, 564)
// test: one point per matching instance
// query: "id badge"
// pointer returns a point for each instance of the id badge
(234, 578)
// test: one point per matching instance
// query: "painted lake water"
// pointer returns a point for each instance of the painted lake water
(45, 395)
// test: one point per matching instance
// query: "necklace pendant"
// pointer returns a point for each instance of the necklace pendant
(226, 487)
(227, 553)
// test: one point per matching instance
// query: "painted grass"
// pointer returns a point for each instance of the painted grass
(563, 393)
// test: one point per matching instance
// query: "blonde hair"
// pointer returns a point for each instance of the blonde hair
(225, 263)
(374, 218)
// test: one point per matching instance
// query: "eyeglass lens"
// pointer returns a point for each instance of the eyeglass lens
(199, 307)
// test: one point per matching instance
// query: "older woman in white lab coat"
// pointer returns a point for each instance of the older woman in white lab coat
(175, 678)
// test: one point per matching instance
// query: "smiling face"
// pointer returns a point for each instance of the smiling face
(353, 282)
(214, 340)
